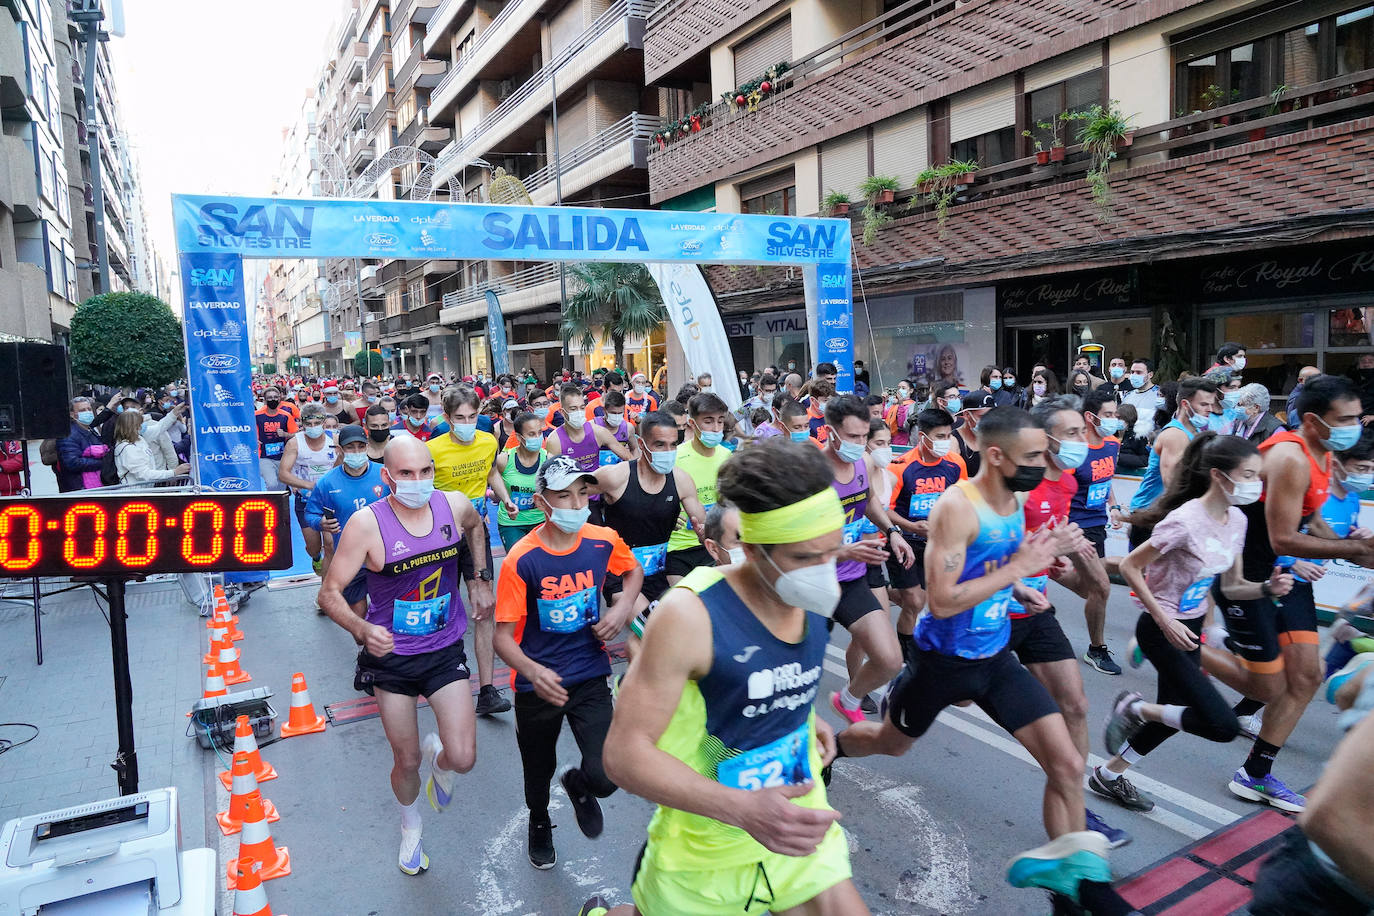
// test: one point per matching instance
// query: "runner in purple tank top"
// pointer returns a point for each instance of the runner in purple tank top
(874, 656)
(413, 545)
(581, 442)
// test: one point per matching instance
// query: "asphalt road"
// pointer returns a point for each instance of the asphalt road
(929, 833)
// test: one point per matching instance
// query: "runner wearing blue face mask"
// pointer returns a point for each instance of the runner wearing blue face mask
(1093, 507)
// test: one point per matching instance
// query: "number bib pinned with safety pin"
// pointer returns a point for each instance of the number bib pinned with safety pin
(420, 617)
(784, 762)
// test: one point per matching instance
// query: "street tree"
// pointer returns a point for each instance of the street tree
(367, 362)
(611, 302)
(127, 340)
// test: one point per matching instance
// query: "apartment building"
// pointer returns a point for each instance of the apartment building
(513, 69)
(295, 282)
(47, 212)
(1234, 204)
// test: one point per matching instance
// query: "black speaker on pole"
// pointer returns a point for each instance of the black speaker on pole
(35, 391)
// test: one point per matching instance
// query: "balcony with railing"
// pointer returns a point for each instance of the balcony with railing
(445, 16)
(491, 41)
(624, 145)
(522, 291)
(679, 30)
(621, 26)
(420, 133)
(419, 70)
(378, 54)
(355, 63)
(379, 112)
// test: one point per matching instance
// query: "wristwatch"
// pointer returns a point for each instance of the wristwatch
(484, 575)
(893, 530)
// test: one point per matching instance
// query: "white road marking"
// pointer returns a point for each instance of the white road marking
(1008, 745)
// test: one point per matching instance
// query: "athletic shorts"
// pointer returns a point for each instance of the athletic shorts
(681, 562)
(898, 576)
(856, 602)
(1038, 638)
(356, 590)
(1000, 686)
(653, 588)
(1097, 534)
(509, 534)
(298, 503)
(1261, 627)
(411, 675)
(773, 884)
(875, 577)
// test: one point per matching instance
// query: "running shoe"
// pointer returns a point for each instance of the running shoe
(1123, 721)
(1269, 790)
(1062, 863)
(1250, 725)
(1120, 790)
(585, 805)
(1134, 657)
(1100, 657)
(413, 859)
(317, 564)
(539, 844)
(490, 701)
(1115, 835)
(853, 715)
(597, 906)
(439, 783)
(868, 706)
(1353, 667)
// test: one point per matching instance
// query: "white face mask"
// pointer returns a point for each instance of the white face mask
(882, 457)
(1238, 363)
(1244, 492)
(811, 588)
(736, 555)
(938, 447)
(575, 420)
(412, 493)
(614, 420)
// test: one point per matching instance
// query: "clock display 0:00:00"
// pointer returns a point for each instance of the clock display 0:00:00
(144, 534)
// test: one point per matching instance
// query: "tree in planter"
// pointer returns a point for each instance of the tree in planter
(612, 301)
(128, 340)
(367, 363)
(269, 368)
(836, 203)
(1102, 134)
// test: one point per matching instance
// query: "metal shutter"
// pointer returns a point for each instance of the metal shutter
(776, 181)
(982, 110)
(844, 163)
(566, 25)
(762, 50)
(1063, 67)
(900, 146)
(572, 124)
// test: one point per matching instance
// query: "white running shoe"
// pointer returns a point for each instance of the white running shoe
(412, 859)
(1250, 725)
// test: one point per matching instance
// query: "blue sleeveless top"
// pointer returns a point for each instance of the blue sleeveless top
(983, 630)
(1152, 487)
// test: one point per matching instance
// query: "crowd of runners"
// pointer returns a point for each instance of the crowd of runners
(724, 546)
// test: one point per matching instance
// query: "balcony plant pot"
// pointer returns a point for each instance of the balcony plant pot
(885, 196)
(840, 210)
(1256, 134)
(1056, 154)
(1042, 157)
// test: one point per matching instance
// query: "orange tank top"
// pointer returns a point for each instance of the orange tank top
(1319, 480)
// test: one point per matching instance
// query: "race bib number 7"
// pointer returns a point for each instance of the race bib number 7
(784, 762)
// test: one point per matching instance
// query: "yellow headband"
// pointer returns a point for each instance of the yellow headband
(814, 516)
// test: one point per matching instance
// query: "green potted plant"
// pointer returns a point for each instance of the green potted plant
(874, 220)
(1042, 155)
(940, 184)
(836, 203)
(879, 189)
(1104, 132)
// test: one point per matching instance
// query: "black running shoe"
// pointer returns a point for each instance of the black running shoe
(585, 805)
(490, 701)
(540, 844)
(868, 705)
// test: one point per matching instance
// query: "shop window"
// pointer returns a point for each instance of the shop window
(1351, 327)
(1076, 94)
(1271, 330)
(991, 148)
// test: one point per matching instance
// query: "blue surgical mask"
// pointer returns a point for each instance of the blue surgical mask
(413, 493)
(570, 520)
(1358, 483)
(1199, 420)
(1137, 380)
(1216, 422)
(709, 439)
(356, 460)
(434, 388)
(1109, 426)
(799, 435)
(995, 384)
(850, 452)
(1117, 372)
(1342, 437)
(465, 432)
(1231, 399)
(332, 399)
(663, 462)
(1071, 454)
(542, 412)
(314, 432)
(954, 405)
(1009, 380)
(85, 417)
(119, 408)
(534, 443)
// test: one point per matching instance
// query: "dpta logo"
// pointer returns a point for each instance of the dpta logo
(840, 321)
(230, 483)
(219, 361)
(230, 330)
(240, 454)
(258, 226)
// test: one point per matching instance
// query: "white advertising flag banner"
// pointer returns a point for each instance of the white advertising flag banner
(692, 309)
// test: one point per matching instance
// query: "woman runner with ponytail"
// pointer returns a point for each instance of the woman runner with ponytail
(1194, 535)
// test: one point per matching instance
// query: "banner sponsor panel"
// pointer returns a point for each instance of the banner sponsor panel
(692, 309)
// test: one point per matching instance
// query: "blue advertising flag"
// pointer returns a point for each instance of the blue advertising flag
(830, 313)
(496, 335)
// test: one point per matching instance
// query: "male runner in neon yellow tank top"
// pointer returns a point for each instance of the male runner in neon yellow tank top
(701, 457)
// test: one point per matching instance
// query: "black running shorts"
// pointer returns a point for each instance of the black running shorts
(1000, 686)
(875, 577)
(681, 562)
(856, 602)
(411, 675)
(653, 588)
(1260, 628)
(1097, 535)
(1038, 639)
(915, 577)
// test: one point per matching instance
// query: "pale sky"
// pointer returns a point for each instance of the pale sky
(206, 87)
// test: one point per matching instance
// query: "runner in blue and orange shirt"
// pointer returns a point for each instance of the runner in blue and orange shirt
(550, 630)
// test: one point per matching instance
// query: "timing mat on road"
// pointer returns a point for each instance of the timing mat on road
(1214, 875)
(365, 707)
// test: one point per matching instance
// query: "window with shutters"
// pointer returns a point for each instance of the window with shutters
(844, 163)
(775, 194)
(762, 50)
(1076, 94)
(900, 145)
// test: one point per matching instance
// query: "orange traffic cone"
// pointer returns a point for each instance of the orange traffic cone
(250, 899)
(214, 682)
(229, 664)
(224, 615)
(303, 718)
(244, 741)
(231, 821)
(256, 843)
(219, 632)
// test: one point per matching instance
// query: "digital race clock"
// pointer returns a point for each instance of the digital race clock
(144, 533)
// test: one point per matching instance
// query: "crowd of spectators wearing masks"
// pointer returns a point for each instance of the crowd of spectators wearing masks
(139, 437)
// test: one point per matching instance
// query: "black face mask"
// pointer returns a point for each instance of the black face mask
(273, 403)
(1025, 479)
(379, 435)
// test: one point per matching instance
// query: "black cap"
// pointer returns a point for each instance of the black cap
(351, 433)
(980, 401)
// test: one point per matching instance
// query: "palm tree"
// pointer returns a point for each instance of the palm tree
(618, 300)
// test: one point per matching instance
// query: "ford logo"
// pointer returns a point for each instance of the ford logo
(230, 483)
(220, 361)
(690, 246)
(836, 343)
(381, 239)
